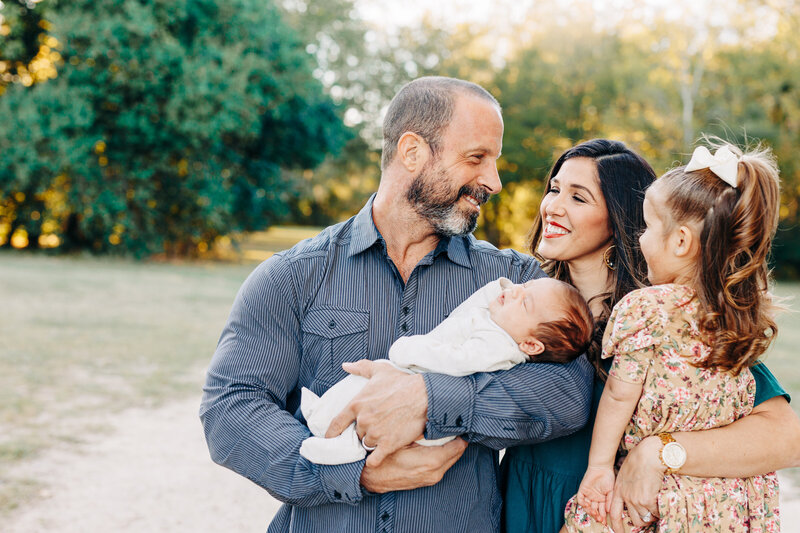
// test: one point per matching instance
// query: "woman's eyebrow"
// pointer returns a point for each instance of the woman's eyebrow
(581, 187)
(575, 186)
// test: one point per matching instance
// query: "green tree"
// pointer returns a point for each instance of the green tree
(21, 25)
(171, 123)
(362, 69)
(752, 93)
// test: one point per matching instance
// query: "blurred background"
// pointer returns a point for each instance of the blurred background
(151, 151)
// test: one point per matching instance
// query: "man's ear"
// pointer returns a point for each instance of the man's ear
(412, 152)
(531, 346)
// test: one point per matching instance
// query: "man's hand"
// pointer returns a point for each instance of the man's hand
(390, 411)
(412, 467)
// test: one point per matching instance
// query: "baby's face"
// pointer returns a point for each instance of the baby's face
(521, 308)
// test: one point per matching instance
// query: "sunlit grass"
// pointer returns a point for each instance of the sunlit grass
(782, 356)
(83, 338)
(261, 245)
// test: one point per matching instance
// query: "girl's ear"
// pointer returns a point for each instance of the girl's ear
(531, 346)
(412, 152)
(684, 241)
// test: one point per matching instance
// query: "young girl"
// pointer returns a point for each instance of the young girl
(682, 347)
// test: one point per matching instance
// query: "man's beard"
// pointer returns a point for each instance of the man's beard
(434, 201)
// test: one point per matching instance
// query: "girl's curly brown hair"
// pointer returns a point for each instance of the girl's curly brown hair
(732, 276)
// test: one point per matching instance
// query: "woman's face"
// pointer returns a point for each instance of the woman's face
(575, 221)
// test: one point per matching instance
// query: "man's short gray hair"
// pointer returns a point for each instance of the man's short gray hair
(425, 107)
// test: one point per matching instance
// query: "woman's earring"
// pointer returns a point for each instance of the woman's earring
(607, 257)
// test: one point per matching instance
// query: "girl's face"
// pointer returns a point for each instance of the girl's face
(655, 241)
(574, 215)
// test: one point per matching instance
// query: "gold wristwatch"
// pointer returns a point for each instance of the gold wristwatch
(672, 454)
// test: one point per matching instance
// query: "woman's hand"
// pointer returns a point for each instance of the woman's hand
(638, 482)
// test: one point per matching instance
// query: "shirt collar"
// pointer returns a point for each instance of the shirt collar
(457, 249)
(365, 234)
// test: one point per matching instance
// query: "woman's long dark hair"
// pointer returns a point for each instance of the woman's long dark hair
(624, 176)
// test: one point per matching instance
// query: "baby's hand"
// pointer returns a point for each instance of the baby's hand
(595, 492)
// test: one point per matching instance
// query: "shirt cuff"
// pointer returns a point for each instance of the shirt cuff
(342, 483)
(451, 401)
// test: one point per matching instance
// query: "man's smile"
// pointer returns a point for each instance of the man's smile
(472, 200)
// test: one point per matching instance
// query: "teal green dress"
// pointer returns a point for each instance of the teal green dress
(537, 480)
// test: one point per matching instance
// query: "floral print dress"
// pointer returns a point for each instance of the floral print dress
(654, 338)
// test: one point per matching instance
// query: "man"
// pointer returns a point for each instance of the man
(397, 268)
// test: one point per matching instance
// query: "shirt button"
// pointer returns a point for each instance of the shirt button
(459, 421)
(405, 310)
(385, 516)
(332, 324)
(337, 495)
(404, 327)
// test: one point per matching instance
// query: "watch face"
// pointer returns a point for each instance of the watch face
(674, 455)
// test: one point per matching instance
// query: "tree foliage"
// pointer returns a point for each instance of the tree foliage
(171, 123)
(21, 48)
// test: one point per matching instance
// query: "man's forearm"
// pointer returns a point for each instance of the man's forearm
(528, 403)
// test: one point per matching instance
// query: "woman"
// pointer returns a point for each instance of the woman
(587, 232)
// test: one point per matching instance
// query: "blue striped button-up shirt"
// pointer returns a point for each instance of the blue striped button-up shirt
(338, 297)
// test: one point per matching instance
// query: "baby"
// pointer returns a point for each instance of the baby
(500, 325)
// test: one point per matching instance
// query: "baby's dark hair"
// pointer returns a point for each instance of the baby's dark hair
(568, 337)
(732, 276)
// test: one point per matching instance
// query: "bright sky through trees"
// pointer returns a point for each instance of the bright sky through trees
(504, 14)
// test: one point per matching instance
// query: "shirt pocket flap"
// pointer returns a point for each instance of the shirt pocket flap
(332, 323)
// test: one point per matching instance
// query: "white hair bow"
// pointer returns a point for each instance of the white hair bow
(724, 163)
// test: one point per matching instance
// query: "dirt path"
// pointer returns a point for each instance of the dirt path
(153, 473)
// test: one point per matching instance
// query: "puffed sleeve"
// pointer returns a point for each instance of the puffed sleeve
(632, 331)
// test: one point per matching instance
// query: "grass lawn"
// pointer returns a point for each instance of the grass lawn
(782, 356)
(84, 338)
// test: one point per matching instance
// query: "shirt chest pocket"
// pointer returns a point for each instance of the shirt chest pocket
(332, 337)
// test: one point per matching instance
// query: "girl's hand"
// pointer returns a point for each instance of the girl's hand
(594, 494)
(638, 482)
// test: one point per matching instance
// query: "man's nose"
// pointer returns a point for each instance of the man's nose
(490, 179)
